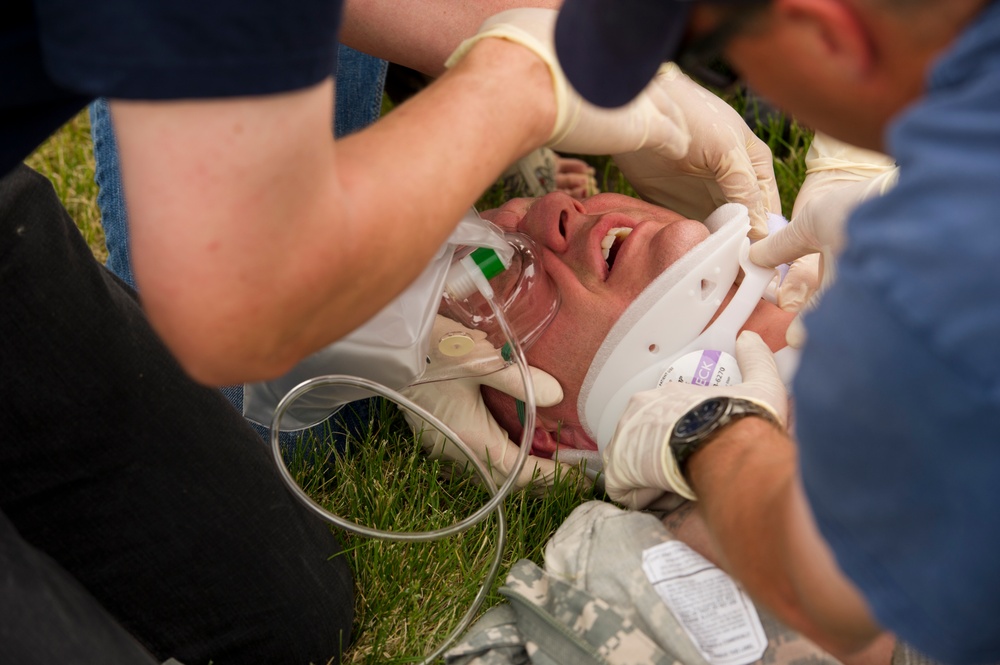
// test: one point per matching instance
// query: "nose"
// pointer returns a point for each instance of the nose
(555, 220)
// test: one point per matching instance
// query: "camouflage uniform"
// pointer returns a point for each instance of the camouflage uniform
(593, 603)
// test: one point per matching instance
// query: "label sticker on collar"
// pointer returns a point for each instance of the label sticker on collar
(703, 368)
(717, 615)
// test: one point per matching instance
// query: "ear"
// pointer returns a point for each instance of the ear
(832, 32)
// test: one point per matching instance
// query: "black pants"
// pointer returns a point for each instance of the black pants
(131, 497)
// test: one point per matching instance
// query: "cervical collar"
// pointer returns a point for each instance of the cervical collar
(668, 319)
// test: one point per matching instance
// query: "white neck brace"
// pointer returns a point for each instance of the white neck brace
(668, 319)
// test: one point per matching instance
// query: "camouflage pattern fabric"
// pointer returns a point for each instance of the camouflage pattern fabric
(493, 640)
(904, 654)
(549, 622)
(592, 603)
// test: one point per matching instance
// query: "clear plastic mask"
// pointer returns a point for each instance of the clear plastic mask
(525, 293)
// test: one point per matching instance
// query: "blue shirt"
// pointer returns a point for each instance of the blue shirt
(56, 55)
(898, 391)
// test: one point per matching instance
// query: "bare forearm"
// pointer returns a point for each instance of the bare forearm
(257, 240)
(686, 524)
(754, 507)
(420, 34)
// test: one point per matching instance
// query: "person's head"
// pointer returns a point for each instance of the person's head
(595, 291)
(845, 67)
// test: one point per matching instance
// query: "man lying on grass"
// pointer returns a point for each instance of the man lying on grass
(605, 255)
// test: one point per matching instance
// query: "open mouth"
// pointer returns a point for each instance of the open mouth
(612, 242)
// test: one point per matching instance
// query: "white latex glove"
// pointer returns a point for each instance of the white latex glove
(458, 402)
(837, 181)
(638, 463)
(726, 162)
(651, 120)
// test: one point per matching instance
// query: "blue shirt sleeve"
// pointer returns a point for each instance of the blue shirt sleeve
(898, 390)
(900, 460)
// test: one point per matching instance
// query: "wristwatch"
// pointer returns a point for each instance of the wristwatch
(699, 426)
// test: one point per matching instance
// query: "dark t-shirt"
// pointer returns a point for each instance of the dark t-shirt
(57, 55)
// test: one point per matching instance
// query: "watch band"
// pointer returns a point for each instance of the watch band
(700, 425)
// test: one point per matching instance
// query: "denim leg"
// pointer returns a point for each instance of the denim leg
(110, 196)
(360, 80)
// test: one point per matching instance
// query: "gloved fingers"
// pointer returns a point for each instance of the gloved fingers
(795, 335)
(537, 471)
(434, 443)
(757, 365)
(498, 457)
(739, 179)
(800, 283)
(763, 165)
(827, 270)
(826, 215)
(849, 162)
(755, 359)
(829, 203)
(548, 392)
(501, 455)
(817, 185)
(634, 498)
(668, 132)
(790, 243)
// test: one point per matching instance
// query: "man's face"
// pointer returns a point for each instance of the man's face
(819, 69)
(594, 294)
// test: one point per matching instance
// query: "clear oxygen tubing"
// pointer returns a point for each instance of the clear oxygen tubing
(495, 503)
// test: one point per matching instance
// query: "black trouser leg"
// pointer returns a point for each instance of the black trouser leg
(147, 488)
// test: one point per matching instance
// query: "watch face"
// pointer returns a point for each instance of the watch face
(698, 418)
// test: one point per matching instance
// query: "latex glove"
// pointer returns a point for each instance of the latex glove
(830, 165)
(836, 183)
(638, 463)
(726, 162)
(651, 120)
(458, 402)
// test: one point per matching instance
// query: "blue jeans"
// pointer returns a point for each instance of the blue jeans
(360, 79)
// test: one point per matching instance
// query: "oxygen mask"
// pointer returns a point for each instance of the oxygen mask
(521, 288)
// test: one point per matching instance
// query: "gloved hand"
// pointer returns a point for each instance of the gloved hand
(726, 162)
(638, 463)
(838, 178)
(651, 120)
(458, 402)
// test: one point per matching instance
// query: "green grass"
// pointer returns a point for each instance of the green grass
(412, 595)
(67, 159)
(409, 596)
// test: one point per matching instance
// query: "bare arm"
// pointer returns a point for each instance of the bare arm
(752, 501)
(687, 525)
(257, 240)
(420, 34)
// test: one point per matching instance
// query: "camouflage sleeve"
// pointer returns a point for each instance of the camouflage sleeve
(593, 604)
(493, 640)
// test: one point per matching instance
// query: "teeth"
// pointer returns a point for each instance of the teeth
(618, 233)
